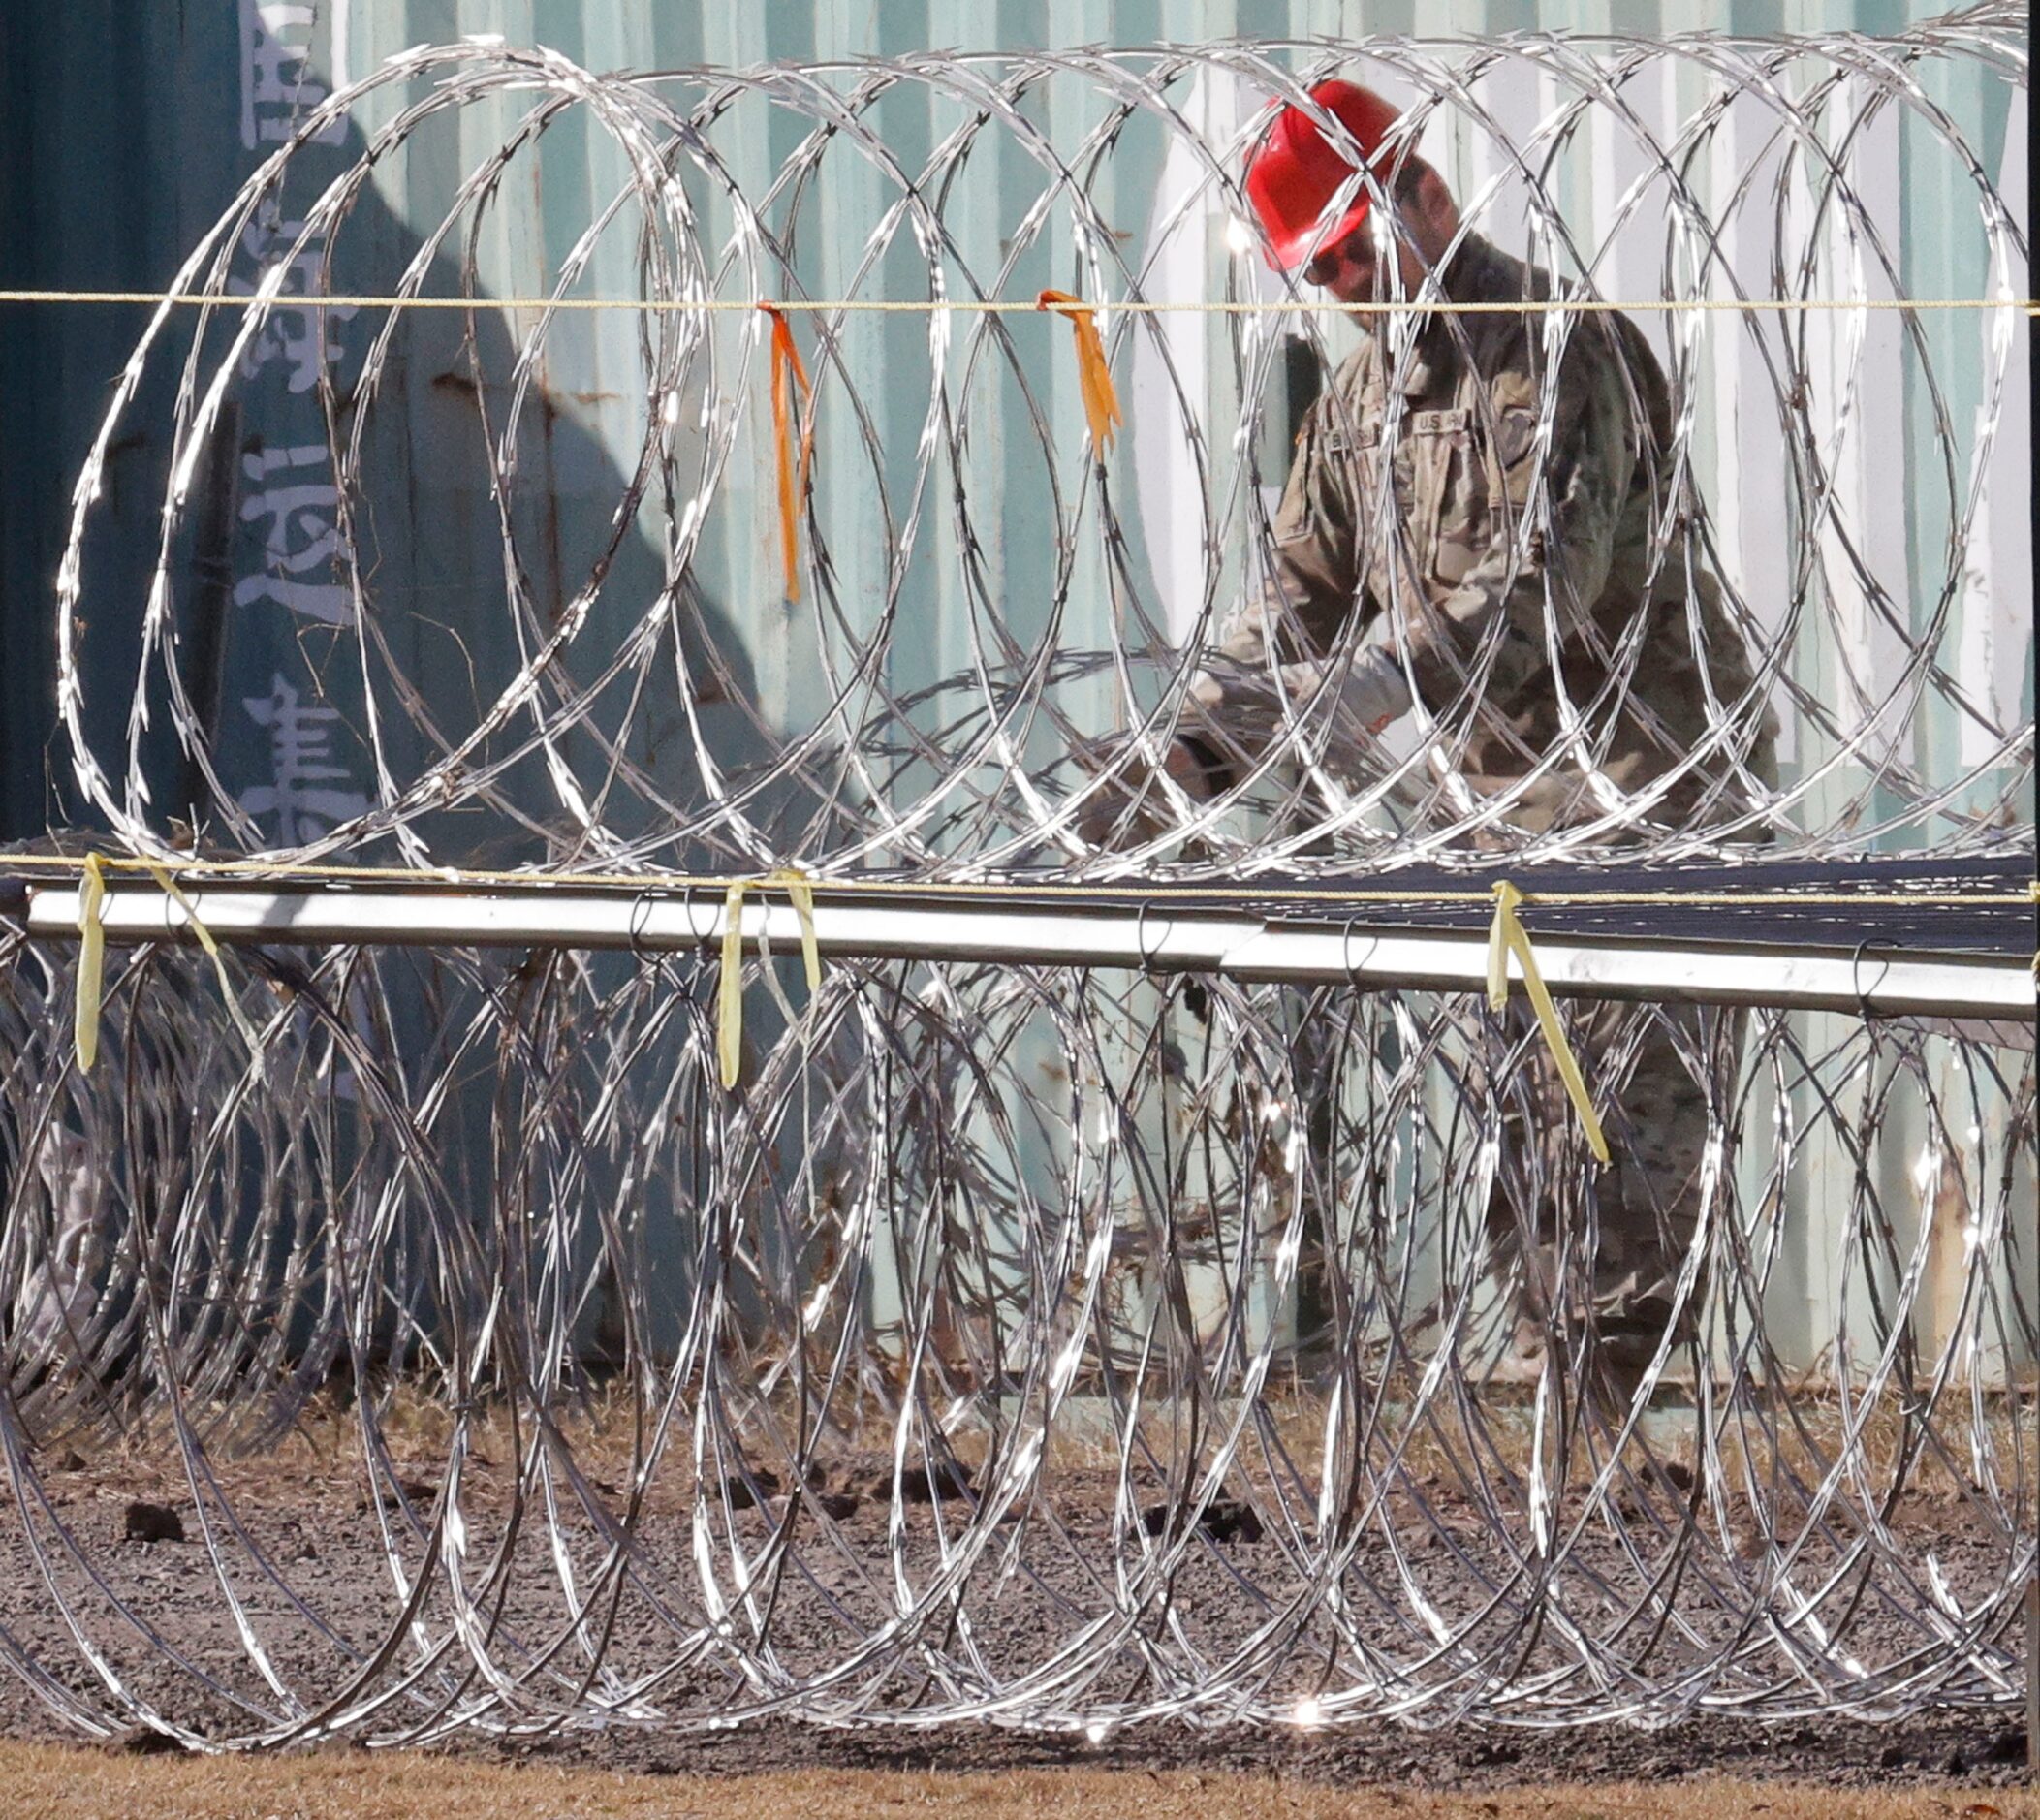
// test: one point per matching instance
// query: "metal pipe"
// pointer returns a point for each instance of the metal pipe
(1886, 983)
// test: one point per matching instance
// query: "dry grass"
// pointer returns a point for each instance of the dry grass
(320, 1457)
(50, 1783)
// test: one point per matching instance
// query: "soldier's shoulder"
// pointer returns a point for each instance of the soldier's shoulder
(1494, 276)
(1503, 343)
(1601, 338)
(1610, 360)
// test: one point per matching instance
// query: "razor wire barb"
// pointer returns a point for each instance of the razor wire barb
(1057, 1348)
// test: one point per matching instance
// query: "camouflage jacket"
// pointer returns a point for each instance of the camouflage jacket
(1495, 527)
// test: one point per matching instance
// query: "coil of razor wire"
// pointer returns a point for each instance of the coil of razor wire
(1033, 1346)
(987, 629)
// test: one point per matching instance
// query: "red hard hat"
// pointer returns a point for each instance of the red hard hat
(1296, 171)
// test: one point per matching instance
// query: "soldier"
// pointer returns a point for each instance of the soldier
(1478, 526)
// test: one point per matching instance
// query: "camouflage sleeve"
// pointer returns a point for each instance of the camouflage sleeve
(1549, 551)
(1303, 605)
(1294, 615)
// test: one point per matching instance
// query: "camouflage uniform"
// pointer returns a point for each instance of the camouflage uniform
(1495, 526)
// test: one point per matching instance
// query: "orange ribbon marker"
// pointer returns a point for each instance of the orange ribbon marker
(787, 373)
(1101, 403)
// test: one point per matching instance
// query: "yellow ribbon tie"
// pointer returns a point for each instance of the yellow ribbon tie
(728, 1023)
(168, 887)
(731, 1011)
(1101, 403)
(800, 891)
(91, 963)
(1506, 934)
(788, 374)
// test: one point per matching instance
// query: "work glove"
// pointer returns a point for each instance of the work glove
(1132, 806)
(1258, 707)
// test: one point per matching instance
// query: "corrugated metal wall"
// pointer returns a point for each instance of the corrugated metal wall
(119, 144)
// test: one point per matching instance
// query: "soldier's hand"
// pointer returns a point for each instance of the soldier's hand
(1373, 692)
(1265, 707)
(1131, 806)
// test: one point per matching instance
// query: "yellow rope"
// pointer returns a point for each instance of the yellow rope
(729, 1021)
(1506, 936)
(800, 891)
(1076, 890)
(999, 306)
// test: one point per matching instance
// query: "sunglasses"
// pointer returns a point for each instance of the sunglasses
(1353, 249)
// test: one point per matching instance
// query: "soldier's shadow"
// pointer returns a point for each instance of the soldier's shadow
(490, 509)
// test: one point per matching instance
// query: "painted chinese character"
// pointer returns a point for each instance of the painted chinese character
(300, 793)
(276, 81)
(301, 541)
(295, 334)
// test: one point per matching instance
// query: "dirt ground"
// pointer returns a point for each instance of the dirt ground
(317, 1523)
(44, 1782)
